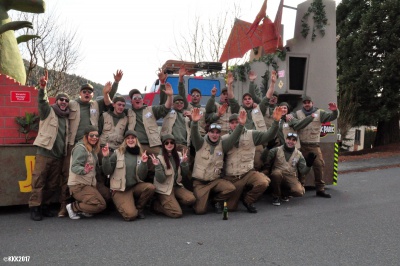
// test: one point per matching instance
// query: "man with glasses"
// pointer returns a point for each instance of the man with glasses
(209, 160)
(239, 163)
(282, 166)
(310, 138)
(178, 125)
(220, 112)
(51, 143)
(83, 112)
(143, 120)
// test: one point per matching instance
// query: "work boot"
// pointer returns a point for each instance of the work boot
(46, 211)
(285, 199)
(323, 194)
(63, 211)
(276, 202)
(141, 215)
(36, 214)
(218, 207)
(250, 207)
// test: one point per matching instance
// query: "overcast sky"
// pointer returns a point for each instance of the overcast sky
(137, 36)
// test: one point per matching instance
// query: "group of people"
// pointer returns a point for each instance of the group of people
(202, 156)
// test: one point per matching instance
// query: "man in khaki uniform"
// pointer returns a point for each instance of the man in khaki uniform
(239, 163)
(51, 149)
(282, 165)
(210, 151)
(113, 124)
(310, 138)
(143, 120)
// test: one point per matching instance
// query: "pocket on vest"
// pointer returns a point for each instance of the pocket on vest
(43, 139)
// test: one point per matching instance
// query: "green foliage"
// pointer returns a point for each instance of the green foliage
(320, 20)
(27, 123)
(240, 72)
(368, 55)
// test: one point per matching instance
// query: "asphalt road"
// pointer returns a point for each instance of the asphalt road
(358, 226)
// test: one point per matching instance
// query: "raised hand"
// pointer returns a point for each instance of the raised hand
(289, 117)
(184, 155)
(214, 91)
(182, 72)
(332, 106)
(222, 109)
(154, 159)
(105, 151)
(168, 89)
(277, 114)
(196, 114)
(107, 87)
(161, 76)
(44, 79)
(187, 114)
(252, 75)
(118, 75)
(242, 117)
(230, 78)
(88, 168)
(144, 157)
(273, 76)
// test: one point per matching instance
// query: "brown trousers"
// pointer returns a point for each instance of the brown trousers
(125, 200)
(279, 178)
(45, 180)
(258, 163)
(88, 199)
(248, 187)
(220, 189)
(64, 194)
(318, 165)
(169, 204)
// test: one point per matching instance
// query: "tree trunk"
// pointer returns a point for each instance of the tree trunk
(388, 131)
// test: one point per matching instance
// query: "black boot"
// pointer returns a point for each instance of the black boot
(46, 211)
(36, 214)
(323, 194)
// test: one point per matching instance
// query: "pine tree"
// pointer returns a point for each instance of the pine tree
(368, 54)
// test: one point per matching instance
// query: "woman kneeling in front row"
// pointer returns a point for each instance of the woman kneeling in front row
(167, 180)
(128, 169)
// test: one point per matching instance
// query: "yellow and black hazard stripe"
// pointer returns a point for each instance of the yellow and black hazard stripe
(335, 164)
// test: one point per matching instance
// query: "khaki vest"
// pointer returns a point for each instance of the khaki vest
(150, 125)
(48, 130)
(202, 121)
(311, 133)
(223, 121)
(113, 135)
(75, 117)
(168, 124)
(208, 166)
(90, 178)
(118, 179)
(239, 161)
(166, 187)
(258, 118)
(287, 129)
(268, 118)
(289, 167)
